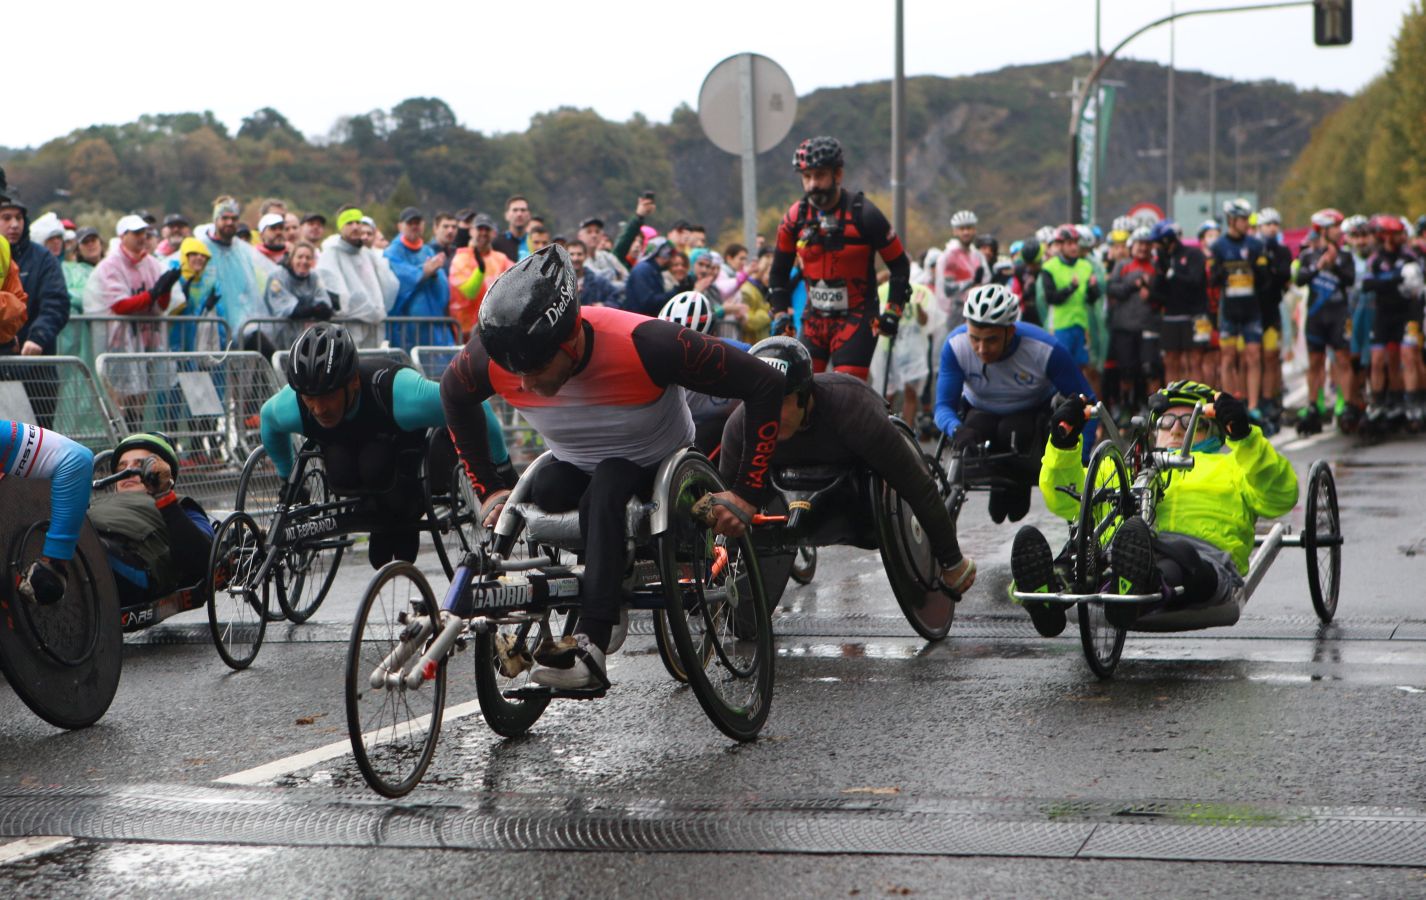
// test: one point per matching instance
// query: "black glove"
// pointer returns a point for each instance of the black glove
(888, 322)
(964, 438)
(507, 474)
(783, 324)
(43, 584)
(164, 284)
(321, 311)
(1067, 422)
(1230, 412)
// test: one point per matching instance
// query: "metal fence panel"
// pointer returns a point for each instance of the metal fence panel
(59, 393)
(210, 404)
(123, 334)
(407, 332)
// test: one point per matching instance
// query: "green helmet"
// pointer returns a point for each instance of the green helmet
(1180, 393)
(155, 442)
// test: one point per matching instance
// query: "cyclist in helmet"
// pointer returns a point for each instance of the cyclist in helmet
(837, 237)
(29, 451)
(1205, 520)
(830, 418)
(692, 310)
(964, 264)
(601, 386)
(995, 384)
(1240, 270)
(1393, 277)
(370, 418)
(1179, 291)
(1328, 273)
(145, 506)
(1070, 285)
(1279, 280)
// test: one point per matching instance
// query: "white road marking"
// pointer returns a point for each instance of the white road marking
(1305, 442)
(26, 847)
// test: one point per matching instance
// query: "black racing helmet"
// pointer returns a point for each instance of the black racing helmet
(789, 357)
(530, 312)
(323, 359)
(820, 152)
(156, 442)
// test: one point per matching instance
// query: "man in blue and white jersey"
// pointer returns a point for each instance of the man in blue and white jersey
(29, 451)
(997, 378)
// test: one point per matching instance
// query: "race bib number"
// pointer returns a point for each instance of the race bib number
(827, 298)
(1240, 285)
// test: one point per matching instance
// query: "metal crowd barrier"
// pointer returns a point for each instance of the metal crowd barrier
(402, 332)
(523, 442)
(59, 393)
(210, 404)
(129, 334)
(395, 354)
(408, 332)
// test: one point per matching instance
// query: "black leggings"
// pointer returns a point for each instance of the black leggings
(388, 478)
(1182, 565)
(600, 498)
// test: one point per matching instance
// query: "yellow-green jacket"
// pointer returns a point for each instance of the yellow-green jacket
(1219, 501)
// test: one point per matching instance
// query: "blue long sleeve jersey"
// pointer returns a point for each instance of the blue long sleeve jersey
(1034, 369)
(28, 451)
(416, 403)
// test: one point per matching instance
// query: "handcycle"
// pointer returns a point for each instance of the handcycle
(518, 588)
(292, 550)
(959, 472)
(829, 505)
(1127, 476)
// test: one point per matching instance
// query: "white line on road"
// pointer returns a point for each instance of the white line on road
(27, 847)
(1305, 442)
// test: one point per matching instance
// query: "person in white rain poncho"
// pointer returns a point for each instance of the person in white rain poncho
(910, 363)
(359, 277)
(240, 271)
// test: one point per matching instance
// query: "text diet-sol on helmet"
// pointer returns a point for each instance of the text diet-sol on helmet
(323, 359)
(531, 312)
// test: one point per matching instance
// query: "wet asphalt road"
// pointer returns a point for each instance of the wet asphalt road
(887, 766)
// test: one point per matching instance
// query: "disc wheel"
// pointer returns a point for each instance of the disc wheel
(1105, 503)
(909, 559)
(393, 727)
(64, 658)
(722, 611)
(1322, 540)
(309, 568)
(237, 604)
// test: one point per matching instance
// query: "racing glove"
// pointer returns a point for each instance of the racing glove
(888, 322)
(43, 584)
(1067, 422)
(1230, 412)
(964, 438)
(163, 285)
(782, 324)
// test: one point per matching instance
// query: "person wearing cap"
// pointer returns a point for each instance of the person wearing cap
(130, 282)
(314, 228)
(601, 259)
(514, 243)
(241, 271)
(47, 306)
(272, 237)
(358, 277)
(156, 541)
(424, 287)
(473, 270)
(175, 228)
(646, 292)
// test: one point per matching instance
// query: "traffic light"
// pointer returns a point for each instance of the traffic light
(1332, 22)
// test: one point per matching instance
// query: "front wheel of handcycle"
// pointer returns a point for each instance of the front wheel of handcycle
(306, 574)
(1105, 503)
(1322, 540)
(909, 559)
(394, 727)
(237, 604)
(716, 608)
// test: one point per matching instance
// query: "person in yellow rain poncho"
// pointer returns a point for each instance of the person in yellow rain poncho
(1204, 523)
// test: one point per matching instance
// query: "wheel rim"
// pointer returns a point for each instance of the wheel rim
(1104, 637)
(393, 726)
(238, 608)
(1326, 525)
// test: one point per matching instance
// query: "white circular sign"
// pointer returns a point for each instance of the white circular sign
(720, 104)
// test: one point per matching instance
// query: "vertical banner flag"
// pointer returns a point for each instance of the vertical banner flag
(1093, 135)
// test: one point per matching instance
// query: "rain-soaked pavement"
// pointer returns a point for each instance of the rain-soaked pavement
(1273, 756)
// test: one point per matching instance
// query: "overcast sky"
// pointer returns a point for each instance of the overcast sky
(496, 64)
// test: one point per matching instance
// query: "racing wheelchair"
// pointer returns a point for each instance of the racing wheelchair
(520, 587)
(827, 505)
(1127, 476)
(292, 550)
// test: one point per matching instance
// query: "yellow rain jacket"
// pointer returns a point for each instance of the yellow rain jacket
(1219, 501)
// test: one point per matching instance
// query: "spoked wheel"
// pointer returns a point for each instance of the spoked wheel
(64, 658)
(259, 489)
(715, 601)
(504, 659)
(452, 509)
(1322, 540)
(307, 573)
(237, 604)
(910, 561)
(1104, 505)
(804, 564)
(393, 727)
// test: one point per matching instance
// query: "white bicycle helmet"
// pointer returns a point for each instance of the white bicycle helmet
(964, 218)
(1354, 224)
(991, 304)
(1086, 237)
(1045, 235)
(689, 309)
(1269, 216)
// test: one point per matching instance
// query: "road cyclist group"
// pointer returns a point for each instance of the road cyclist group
(686, 468)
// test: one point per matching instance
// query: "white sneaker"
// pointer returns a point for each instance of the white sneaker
(586, 671)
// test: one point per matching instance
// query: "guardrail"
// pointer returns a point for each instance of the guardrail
(126, 334)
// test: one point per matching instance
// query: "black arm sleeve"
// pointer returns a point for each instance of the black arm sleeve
(1053, 295)
(188, 543)
(464, 386)
(779, 290)
(674, 355)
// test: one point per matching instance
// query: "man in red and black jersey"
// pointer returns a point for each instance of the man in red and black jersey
(836, 237)
(600, 386)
